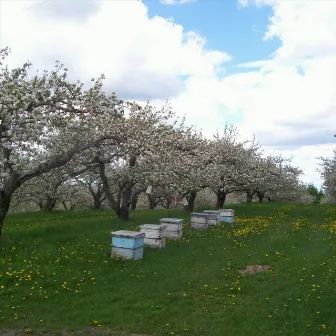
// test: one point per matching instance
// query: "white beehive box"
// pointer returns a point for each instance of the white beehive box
(173, 227)
(156, 243)
(172, 224)
(174, 234)
(214, 218)
(153, 231)
(199, 220)
(154, 235)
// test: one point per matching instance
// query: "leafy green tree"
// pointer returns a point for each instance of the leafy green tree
(313, 191)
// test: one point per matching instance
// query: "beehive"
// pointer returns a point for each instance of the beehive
(155, 235)
(173, 227)
(214, 218)
(127, 244)
(226, 215)
(199, 220)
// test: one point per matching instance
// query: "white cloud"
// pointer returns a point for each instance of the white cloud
(243, 3)
(140, 56)
(289, 100)
(176, 2)
(307, 157)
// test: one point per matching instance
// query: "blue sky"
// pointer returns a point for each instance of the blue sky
(226, 25)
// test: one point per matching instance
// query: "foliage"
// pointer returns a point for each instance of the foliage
(328, 175)
(42, 121)
(61, 143)
(317, 194)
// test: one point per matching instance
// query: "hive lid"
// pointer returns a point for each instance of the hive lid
(171, 220)
(153, 226)
(211, 211)
(127, 234)
(199, 214)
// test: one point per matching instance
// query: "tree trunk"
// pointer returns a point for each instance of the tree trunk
(261, 196)
(124, 212)
(40, 204)
(122, 205)
(5, 200)
(98, 197)
(191, 201)
(221, 196)
(134, 202)
(249, 197)
(168, 203)
(65, 205)
(50, 204)
(151, 202)
(97, 202)
(124, 208)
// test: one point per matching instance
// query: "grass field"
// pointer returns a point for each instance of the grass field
(57, 277)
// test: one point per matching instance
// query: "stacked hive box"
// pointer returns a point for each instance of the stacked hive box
(199, 220)
(127, 244)
(155, 235)
(226, 215)
(173, 227)
(214, 218)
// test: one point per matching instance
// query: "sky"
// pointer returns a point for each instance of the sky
(268, 67)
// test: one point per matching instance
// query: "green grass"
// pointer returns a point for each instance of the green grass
(56, 274)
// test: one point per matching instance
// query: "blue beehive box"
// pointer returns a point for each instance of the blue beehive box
(127, 244)
(227, 219)
(226, 215)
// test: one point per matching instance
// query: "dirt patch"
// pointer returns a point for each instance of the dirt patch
(103, 331)
(84, 332)
(24, 332)
(252, 269)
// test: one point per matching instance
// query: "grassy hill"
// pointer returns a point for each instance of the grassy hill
(57, 277)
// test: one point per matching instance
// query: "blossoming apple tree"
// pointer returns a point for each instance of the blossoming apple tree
(45, 121)
(156, 141)
(226, 155)
(328, 174)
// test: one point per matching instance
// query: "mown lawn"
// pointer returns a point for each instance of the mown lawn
(57, 277)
